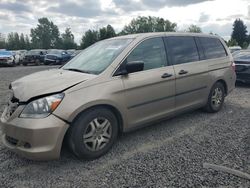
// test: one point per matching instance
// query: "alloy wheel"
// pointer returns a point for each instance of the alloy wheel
(217, 97)
(98, 134)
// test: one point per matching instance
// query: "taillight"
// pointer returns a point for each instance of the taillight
(233, 66)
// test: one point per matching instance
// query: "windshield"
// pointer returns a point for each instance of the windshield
(234, 50)
(33, 52)
(55, 52)
(5, 53)
(70, 52)
(98, 57)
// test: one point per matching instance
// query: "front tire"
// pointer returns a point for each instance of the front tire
(93, 133)
(37, 62)
(216, 98)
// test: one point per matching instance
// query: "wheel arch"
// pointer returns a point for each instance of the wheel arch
(112, 108)
(224, 84)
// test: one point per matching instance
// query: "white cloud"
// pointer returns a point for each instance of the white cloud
(216, 16)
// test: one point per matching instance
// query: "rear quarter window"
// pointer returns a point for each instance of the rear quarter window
(212, 47)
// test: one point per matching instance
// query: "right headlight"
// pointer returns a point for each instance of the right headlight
(42, 107)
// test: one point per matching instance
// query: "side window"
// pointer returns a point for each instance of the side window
(151, 52)
(182, 49)
(212, 47)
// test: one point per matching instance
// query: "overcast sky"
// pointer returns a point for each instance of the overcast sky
(211, 15)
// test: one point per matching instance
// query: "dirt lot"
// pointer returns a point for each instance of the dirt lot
(168, 154)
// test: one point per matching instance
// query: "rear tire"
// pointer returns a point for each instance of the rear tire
(93, 133)
(216, 98)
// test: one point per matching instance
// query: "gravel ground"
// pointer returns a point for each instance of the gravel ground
(167, 154)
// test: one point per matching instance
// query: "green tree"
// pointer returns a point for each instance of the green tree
(13, 41)
(27, 43)
(106, 32)
(110, 32)
(102, 33)
(89, 38)
(232, 42)
(22, 44)
(3, 44)
(16, 41)
(46, 35)
(239, 32)
(245, 45)
(148, 24)
(194, 29)
(68, 40)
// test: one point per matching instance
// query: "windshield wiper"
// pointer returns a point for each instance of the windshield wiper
(78, 70)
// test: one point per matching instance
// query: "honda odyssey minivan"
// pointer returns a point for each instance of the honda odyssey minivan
(114, 86)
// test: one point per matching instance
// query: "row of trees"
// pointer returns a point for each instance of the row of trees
(16, 41)
(46, 34)
(92, 36)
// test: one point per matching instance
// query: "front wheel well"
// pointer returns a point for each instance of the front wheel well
(111, 108)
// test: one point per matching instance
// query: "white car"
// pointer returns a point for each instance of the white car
(234, 48)
(22, 54)
(7, 58)
(19, 56)
(16, 55)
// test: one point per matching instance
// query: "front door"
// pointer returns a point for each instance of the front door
(150, 94)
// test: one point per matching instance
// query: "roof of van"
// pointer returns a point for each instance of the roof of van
(144, 35)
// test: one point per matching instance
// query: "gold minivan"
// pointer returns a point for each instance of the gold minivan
(114, 86)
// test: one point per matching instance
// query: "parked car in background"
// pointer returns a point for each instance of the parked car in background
(17, 57)
(7, 58)
(22, 54)
(71, 51)
(234, 48)
(75, 53)
(236, 52)
(35, 57)
(115, 86)
(242, 66)
(56, 57)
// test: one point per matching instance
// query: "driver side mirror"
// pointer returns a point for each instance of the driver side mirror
(130, 67)
(134, 66)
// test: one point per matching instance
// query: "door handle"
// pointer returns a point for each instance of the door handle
(183, 72)
(166, 75)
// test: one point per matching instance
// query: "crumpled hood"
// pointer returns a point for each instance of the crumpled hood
(45, 82)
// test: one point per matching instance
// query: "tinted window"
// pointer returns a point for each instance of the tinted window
(212, 48)
(182, 49)
(151, 52)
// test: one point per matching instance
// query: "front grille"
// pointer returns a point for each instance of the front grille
(3, 60)
(11, 140)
